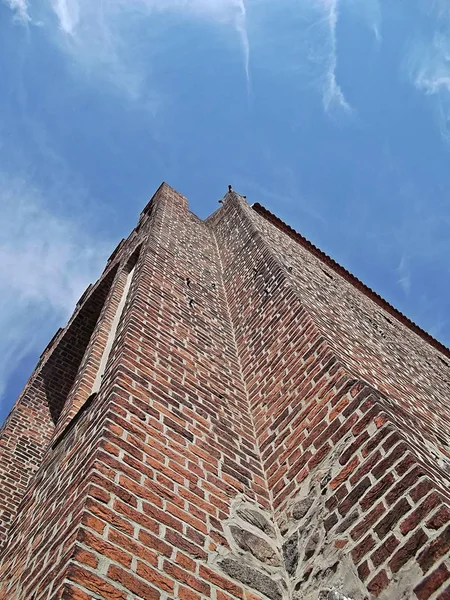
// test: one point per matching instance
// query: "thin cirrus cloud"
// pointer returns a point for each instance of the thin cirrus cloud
(103, 38)
(332, 97)
(429, 69)
(45, 260)
(20, 9)
(404, 276)
(369, 11)
(308, 39)
(428, 61)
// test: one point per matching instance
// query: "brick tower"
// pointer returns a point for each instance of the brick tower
(228, 414)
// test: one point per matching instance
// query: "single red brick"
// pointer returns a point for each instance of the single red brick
(408, 550)
(366, 523)
(376, 491)
(222, 595)
(341, 492)
(413, 519)
(363, 548)
(439, 519)
(382, 553)
(159, 580)
(81, 555)
(185, 593)
(354, 496)
(437, 548)
(421, 489)
(391, 440)
(405, 464)
(378, 583)
(380, 420)
(432, 583)
(185, 562)
(386, 524)
(344, 473)
(363, 571)
(70, 592)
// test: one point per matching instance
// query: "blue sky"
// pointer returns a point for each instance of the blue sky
(334, 114)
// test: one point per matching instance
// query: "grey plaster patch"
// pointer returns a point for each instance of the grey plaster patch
(331, 594)
(253, 578)
(283, 524)
(300, 508)
(347, 522)
(250, 542)
(290, 554)
(257, 519)
(311, 544)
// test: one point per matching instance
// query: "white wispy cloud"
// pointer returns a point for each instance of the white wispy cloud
(113, 38)
(20, 9)
(68, 13)
(333, 96)
(108, 38)
(46, 261)
(314, 38)
(370, 12)
(438, 8)
(404, 276)
(428, 62)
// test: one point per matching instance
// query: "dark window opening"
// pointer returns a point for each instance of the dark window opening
(59, 372)
(443, 361)
(387, 319)
(327, 274)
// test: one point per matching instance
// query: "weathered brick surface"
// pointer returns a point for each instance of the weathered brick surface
(307, 363)
(27, 431)
(264, 429)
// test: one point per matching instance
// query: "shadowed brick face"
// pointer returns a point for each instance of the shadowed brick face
(265, 428)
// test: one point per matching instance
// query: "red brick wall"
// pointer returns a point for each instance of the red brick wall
(236, 448)
(27, 431)
(326, 434)
(373, 343)
(161, 452)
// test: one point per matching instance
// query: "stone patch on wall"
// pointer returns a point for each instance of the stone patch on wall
(317, 568)
(288, 560)
(255, 555)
